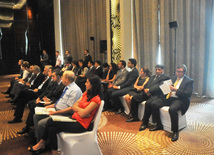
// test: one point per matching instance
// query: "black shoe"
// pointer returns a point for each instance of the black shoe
(8, 96)
(156, 127)
(4, 92)
(175, 136)
(15, 120)
(23, 131)
(37, 151)
(143, 127)
(118, 112)
(133, 119)
(11, 100)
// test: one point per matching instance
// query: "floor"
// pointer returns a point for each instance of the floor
(117, 137)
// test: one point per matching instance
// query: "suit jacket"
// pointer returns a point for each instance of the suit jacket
(44, 87)
(56, 94)
(90, 72)
(87, 59)
(51, 86)
(131, 78)
(99, 72)
(120, 77)
(184, 92)
(68, 58)
(39, 79)
(153, 85)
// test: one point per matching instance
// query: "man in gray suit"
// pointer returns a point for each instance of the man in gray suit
(123, 88)
(120, 79)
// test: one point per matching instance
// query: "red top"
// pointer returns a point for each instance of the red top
(85, 122)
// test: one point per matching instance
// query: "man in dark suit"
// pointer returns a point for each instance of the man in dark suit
(125, 87)
(37, 79)
(154, 92)
(26, 95)
(91, 69)
(50, 96)
(98, 69)
(121, 77)
(87, 56)
(178, 99)
(68, 58)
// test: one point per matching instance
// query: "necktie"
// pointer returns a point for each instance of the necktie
(63, 93)
(175, 84)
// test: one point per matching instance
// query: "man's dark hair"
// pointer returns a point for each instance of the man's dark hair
(57, 51)
(123, 63)
(98, 62)
(105, 65)
(57, 72)
(92, 62)
(87, 51)
(159, 66)
(133, 61)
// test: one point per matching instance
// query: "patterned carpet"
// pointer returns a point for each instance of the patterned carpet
(117, 137)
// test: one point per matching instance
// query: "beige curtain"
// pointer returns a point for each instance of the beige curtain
(82, 19)
(194, 40)
(145, 32)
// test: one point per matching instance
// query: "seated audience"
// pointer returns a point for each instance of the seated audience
(137, 91)
(177, 100)
(98, 69)
(121, 89)
(20, 62)
(50, 96)
(105, 67)
(26, 95)
(84, 111)
(81, 78)
(70, 95)
(154, 92)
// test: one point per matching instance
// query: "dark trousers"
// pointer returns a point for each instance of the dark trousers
(136, 100)
(174, 106)
(24, 97)
(148, 109)
(53, 128)
(114, 95)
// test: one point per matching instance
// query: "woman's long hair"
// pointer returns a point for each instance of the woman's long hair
(147, 71)
(96, 87)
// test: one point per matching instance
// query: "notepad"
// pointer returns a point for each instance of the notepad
(43, 110)
(59, 118)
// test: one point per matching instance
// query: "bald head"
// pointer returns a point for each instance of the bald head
(69, 75)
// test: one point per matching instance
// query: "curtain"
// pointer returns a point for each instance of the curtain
(145, 32)
(82, 19)
(194, 40)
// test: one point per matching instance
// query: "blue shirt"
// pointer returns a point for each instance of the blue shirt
(72, 94)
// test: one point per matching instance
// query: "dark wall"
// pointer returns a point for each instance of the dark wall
(32, 33)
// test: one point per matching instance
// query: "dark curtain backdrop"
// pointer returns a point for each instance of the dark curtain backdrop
(82, 19)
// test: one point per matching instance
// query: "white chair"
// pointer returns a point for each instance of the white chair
(123, 101)
(165, 117)
(81, 143)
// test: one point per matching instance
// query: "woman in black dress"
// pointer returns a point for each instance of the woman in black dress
(139, 85)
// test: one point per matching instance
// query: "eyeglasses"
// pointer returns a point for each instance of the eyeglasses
(179, 71)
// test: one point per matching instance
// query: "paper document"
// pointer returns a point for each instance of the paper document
(59, 118)
(165, 86)
(43, 111)
(43, 102)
